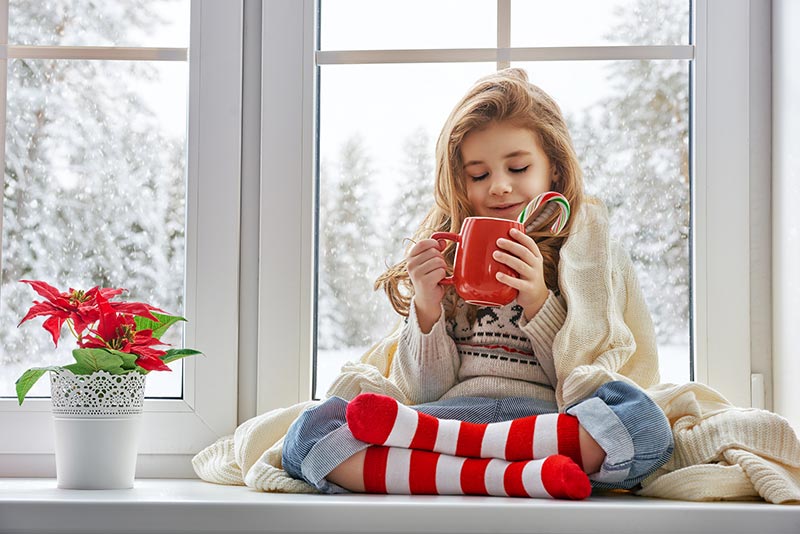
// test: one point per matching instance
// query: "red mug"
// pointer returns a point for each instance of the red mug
(474, 268)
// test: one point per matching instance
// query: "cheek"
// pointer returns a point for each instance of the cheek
(472, 193)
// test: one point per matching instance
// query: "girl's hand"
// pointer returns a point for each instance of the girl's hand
(426, 267)
(523, 256)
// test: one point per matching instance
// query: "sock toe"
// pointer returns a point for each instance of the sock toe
(371, 417)
(564, 479)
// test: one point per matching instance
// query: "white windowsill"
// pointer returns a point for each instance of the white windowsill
(161, 505)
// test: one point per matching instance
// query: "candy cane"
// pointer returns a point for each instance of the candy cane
(542, 201)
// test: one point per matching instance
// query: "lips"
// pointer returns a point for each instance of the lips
(507, 209)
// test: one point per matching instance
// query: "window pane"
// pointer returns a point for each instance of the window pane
(366, 24)
(152, 23)
(376, 183)
(599, 22)
(94, 195)
(631, 134)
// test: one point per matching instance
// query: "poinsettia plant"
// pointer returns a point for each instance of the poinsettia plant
(112, 335)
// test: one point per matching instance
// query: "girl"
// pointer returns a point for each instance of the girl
(484, 382)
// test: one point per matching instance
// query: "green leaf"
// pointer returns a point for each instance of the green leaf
(177, 354)
(158, 327)
(78, 369)
(29, 378)
(128, 359)
(97, 359)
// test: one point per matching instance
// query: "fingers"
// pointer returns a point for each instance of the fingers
(424, 245)
(524, 248)
(429, 266)
(426, 264)
(424, 252)
(522, 268)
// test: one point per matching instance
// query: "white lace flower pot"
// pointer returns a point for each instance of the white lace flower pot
(97, 421)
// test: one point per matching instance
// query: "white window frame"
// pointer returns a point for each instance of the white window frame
(174, 430)
(722, 175)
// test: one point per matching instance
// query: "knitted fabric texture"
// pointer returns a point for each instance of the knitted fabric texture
(499, 355)
(721, 452)
(495, 345)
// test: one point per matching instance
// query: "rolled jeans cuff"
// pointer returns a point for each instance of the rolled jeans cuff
(327, 454)
(605, 427)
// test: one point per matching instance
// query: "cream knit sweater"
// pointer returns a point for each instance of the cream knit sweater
(721, 452)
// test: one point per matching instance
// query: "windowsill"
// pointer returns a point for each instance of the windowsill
(169, 505)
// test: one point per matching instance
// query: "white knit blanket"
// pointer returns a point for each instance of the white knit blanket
(721, 452)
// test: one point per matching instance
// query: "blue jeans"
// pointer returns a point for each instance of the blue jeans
(626, 423)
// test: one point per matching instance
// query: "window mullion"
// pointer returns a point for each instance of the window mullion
(97, 53)
(503, 32)
(479, 55)
(721, 212)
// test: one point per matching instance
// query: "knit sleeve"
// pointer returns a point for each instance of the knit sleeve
(608, 334)
(425, 365)
(542, 330)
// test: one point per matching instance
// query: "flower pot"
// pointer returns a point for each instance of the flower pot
(97, 420)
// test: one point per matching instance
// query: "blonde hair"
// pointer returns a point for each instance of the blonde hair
(505, 96)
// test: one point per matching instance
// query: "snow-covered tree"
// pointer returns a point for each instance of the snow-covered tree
(350, 250)
(415, 193)
(634, 148)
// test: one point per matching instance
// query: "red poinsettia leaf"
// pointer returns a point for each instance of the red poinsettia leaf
(136, 308)
(152, 364)
(44, 289)
(83, 319)
(53, 325)
(42, 308)
(91, 342)
(108, 292)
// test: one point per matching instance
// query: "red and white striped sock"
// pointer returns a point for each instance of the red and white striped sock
(414, 472)
(381, 420)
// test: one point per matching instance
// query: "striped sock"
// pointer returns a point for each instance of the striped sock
(381, 420)
(414, 472)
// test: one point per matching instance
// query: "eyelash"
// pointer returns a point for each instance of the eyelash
(515, 171)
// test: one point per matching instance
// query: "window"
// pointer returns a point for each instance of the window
(296, 116)
(116, 139)
(665, 185)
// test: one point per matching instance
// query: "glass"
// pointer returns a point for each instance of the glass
(95, 187)
(591, 22)
(151, 23)
(412, 24)
(378, 129)
(631, 133)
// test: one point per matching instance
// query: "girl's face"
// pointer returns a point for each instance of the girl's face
(505, 168)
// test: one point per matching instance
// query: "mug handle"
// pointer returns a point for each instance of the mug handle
(447, 280)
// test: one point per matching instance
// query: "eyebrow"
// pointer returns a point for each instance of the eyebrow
(507, 156)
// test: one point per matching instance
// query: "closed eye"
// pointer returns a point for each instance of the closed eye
(521, 169)
(479, 178)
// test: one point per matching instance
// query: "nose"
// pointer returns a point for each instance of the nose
(500, 184)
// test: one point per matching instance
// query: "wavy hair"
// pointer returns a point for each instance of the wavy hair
(504, 96)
